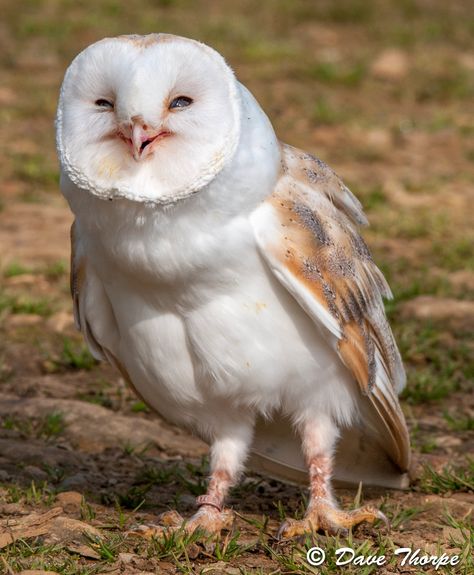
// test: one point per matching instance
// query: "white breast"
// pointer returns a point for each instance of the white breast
(201, 325)
(201, 321)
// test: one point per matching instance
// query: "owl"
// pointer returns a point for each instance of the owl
(222, 273)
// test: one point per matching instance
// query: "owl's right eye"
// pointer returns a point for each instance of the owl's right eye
(104, 104)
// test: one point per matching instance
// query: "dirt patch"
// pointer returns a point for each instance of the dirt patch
(456, 313)
(91, 429)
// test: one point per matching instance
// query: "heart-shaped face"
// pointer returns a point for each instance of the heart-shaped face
(149, 118)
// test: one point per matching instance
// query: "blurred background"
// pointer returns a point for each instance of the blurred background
(383, 91)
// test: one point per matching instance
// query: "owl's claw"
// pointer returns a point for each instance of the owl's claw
(209, 520)
(324, 517)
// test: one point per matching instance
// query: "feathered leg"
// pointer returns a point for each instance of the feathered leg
(319, 439)
(228, 454)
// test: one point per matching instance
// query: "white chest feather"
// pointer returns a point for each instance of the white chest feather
(200, 319)
(194, 314)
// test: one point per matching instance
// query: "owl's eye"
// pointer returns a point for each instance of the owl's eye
(105, 104)
(181, 102)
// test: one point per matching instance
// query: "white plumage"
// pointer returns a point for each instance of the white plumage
(221, 272)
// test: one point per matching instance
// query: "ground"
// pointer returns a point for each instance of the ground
(384, 92)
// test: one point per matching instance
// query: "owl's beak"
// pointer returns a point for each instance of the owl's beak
(142, 138)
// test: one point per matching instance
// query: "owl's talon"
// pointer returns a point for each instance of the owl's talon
(325, 518)
(382, 517)
(210, 520)
(292, 528)
(146, 531)
(167, 521)
(207, 520)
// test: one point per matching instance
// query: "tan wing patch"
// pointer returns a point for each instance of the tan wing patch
(328, 264)
(320, 247)
(306, 232)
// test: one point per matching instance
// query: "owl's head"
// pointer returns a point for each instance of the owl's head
(149, 118)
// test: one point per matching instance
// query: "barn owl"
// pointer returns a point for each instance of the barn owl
(222, 273)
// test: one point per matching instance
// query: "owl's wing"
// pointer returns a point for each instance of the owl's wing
(90, 301)
(306, 232)
(79, 281)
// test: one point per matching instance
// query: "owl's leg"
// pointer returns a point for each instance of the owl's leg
(319, 439)
(228, 453)
(227, 458)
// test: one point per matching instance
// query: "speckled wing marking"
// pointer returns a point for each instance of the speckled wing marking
(312, 171)
(307, 234)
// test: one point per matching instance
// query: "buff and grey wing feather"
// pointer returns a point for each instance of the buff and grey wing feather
(307, 233)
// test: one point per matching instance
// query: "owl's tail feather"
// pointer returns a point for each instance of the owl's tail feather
(361, 455)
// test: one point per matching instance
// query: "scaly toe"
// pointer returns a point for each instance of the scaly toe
(210, 520)
(325, 518)
(168, 521)
(335, 520)
(147, 531)
(293, 528)
(207, 519)
(343, 519)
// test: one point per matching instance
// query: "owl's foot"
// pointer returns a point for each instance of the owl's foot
(208, 520)
(323, 516)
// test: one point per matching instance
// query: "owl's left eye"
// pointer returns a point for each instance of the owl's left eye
(105, 104)
(180, 102)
